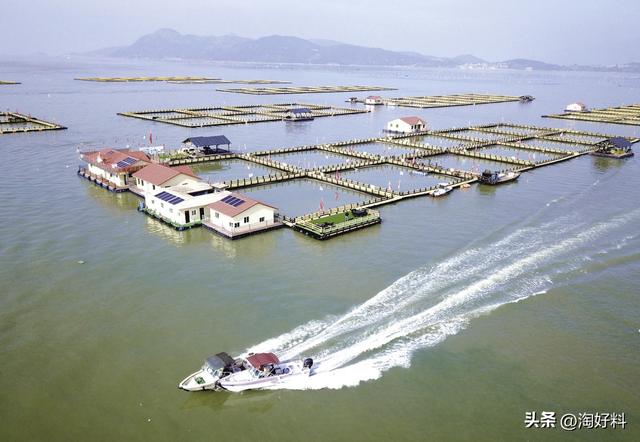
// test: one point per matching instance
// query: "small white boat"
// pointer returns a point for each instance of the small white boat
(442, 189)
(256, 371)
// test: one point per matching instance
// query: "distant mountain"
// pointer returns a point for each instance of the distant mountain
(167, 43)
(523, 63)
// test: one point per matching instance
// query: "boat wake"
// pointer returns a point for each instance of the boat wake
(429, 304)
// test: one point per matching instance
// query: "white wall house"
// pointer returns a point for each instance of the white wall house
(115, 165)
(406, 125)
(576, 107)
(236, 215)
(180, 209)
(153, 177)
(373, 99)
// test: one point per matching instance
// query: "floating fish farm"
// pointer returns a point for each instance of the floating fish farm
(13, 122)
(446, 100)
(225, 115)
(3, 82)
(404, 166)
(177, 80)
(304, 89)
(629, 115)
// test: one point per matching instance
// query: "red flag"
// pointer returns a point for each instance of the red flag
(337, 195)
(150, 138)
(321, 204)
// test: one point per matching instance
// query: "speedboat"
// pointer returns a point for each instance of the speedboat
(442, 189)
(493, 178)
(253, 372)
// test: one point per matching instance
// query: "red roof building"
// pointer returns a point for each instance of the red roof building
(159, 174)
(113, 166)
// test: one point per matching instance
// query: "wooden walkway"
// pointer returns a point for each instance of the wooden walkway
(225, 115)
(433, 101)
(304, 90)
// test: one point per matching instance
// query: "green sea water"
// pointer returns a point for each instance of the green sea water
(449, 321)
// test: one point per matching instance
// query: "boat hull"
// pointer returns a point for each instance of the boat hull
(266, 383)
(612, 155)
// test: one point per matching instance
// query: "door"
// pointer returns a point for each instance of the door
(201, 212)
(186, 217)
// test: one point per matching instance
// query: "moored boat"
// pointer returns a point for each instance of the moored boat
(493, 178)
(442, 189)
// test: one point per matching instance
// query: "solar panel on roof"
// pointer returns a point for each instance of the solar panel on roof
(126, 162)
(226, 198)
(237, 203)
(165, 196)
(175, 200)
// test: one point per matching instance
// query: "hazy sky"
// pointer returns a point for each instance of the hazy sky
(560, 31)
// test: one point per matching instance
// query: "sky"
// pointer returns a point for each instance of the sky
(555, 31)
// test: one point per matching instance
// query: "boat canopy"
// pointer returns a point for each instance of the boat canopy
(220, 360)
(259, 360)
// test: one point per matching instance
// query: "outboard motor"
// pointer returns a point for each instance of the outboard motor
(307, 363)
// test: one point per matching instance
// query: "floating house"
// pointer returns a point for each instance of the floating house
(576, 107)
(178, 208)
(207, 145)
(616, 147)
(237, 215)
(373, 100)
(298, 114)
(158, 176)
(113, 167)
(406, 125)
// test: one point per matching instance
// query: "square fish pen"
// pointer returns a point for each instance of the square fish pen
(448, 100)
(303, 90)
(629, 115)
(224, 115)
(13, 122)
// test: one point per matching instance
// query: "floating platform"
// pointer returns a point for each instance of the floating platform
(13, 122)
(476, 143)
(4, 82)
(325, 225)
(241, 233)
(225, 115)
(304, 90)
(179, 80)
(433, 101)
(629, 115)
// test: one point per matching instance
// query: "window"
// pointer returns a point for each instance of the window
(262, 219)
(217, 215)
(170, 210)
(193, 212)
(154, 186)
(236, 225)
(162, 205)
(246, 219)
(230, 224)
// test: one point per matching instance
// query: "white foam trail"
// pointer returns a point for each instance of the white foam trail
(405, 291)
(424, 307)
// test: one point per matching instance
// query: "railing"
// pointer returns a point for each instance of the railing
(372, 216)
